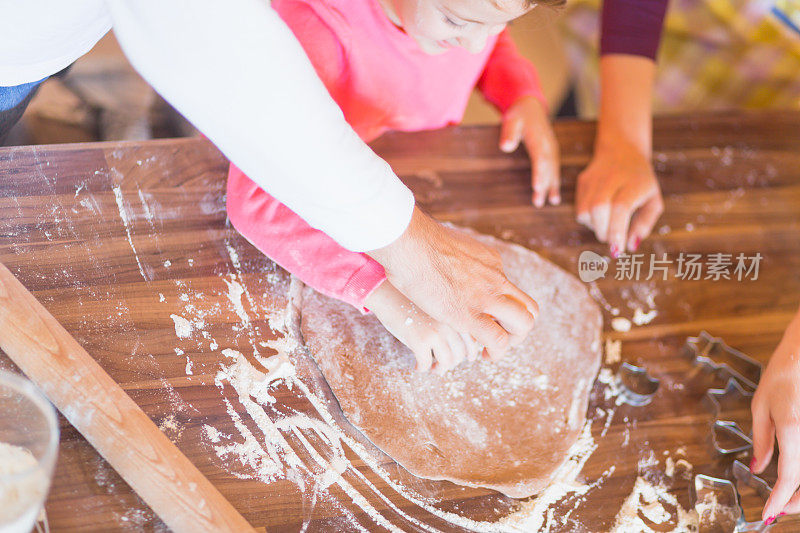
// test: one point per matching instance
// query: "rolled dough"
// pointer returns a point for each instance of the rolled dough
(503, 425)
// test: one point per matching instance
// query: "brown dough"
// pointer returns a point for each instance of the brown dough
(503, 425)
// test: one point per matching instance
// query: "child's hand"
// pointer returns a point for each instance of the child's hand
(435, 345)
(618, 196)
(776, 410)
(527, 121)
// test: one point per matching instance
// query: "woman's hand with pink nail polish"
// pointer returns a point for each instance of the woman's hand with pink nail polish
(618, 196)
(776, 412)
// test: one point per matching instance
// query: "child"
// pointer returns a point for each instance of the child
(400, 65)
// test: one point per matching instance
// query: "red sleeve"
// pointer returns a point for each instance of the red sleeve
(278, 232)
(320, 42)
(319, 261)
(508, 76)
(632, 27)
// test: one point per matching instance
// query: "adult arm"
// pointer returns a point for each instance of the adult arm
(618, 195)
(235, 70)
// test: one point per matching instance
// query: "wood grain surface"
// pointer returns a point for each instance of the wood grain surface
(115, 238)
(107, 417)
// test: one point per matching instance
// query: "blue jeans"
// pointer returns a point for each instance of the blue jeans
(13, 101)
(11, 97)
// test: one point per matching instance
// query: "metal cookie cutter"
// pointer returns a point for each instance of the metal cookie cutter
(743, 476)
(728, 436)
(637, 387)
(718, 501)
(724, 360)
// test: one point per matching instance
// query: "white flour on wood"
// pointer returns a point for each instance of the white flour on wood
(651, 508)
(183, 328)
(322, 470)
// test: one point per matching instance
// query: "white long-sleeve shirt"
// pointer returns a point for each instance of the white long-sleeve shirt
(233, 69)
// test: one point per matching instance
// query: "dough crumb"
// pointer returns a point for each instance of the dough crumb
(641, 318)
(621, 324)
(613, 351)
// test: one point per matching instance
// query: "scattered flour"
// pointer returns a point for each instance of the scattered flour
(123, 214)
(613, 387)
(613, 351)
(647, 461)
(271, 457)
(235, 292)
(183, 328)
(650, 503)
(641, 318)
(671, 466)
(532, 514)
(171, 427)
(258, 445)
(621, 324)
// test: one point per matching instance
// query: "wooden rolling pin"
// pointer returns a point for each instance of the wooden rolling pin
(109, 419)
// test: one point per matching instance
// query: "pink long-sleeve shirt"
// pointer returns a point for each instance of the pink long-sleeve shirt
(382, 81)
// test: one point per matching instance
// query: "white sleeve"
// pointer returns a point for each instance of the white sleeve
(235, 70)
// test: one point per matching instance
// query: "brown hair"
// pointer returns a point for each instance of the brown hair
(530, 4)
(546, 3)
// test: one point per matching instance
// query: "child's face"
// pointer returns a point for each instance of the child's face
(437, 25)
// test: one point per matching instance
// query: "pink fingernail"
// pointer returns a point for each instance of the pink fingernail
(636, 243)
(769, 520)
(614, 251)
(781, 514)
(752, 465)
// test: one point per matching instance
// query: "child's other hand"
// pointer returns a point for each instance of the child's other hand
(618, 196)
(776, 410)
(527, 121)
(435, 345)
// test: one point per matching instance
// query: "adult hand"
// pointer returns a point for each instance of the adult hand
(458, 281)
(776, 411)
(618, 196)
(527, 121)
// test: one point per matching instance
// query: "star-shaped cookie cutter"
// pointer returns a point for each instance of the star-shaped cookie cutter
(724, 360)
(637, 387)
(714, 495)
(726, 435)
